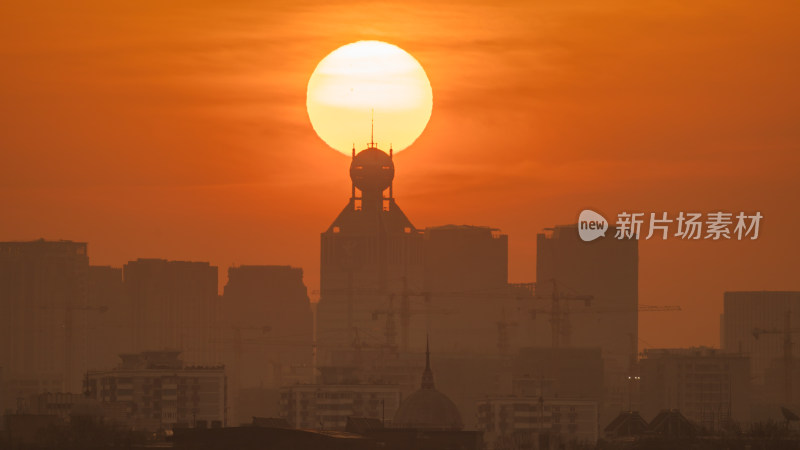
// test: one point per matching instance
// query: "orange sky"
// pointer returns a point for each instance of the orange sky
(178, 130)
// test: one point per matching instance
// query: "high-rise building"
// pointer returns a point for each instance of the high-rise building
(43, 308)
(708, 386)
(175, 305)
(597, 287)
(467, 298)
(371, 261)
(767, 311)
(607, 270)
(382, 277)
(109, 326)
(465, 258)
(267, 306)
(267, 335)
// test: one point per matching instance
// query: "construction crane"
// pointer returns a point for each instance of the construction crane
(390, 330)
(405, 311)
(69, 335)
(559, 321)
(787, 332)
(638, 309)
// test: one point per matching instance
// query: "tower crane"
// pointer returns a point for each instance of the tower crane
(69, 334)
(639, 308)
(559, 321)
(406, 312)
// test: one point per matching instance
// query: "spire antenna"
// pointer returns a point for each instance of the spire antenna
(427, 352)
(427, 374)
(372, 128)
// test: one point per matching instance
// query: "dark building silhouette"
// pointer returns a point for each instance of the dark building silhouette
(774, 392)
(708, 386)
(43, 308)
(267, 336)
(465, 258)
(575, 373)
(626, 425)
(370, 254)
(360, 434)
(175, 305)
(670, 423)
(381, 276)
(765, 326)
(262, 437)
(467, 302)
(605, 270)
(414, 439)
(386, 284)
(109, 327)
(746, 311)
(269, 307)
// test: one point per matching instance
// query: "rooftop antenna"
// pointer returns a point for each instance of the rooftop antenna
(372, 128)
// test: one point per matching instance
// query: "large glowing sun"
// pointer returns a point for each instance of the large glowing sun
(364, 78)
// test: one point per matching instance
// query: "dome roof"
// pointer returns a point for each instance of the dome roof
(427, 408)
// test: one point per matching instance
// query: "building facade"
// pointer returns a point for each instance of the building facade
(469, 306)
(43, 310)
(174, 305)
(597, 287)
(109, 326)
(710, 387)
(382, 276)
(371, 262)
(327, 407)
(510, 422)
(268, 323)
(745, 312)
(155, 390)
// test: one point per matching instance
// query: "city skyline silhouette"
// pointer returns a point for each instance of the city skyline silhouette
(250, 215)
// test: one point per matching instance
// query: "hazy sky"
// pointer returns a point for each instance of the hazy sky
(178, 130)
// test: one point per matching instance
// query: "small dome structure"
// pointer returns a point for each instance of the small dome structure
(427, 408)
(372, 170)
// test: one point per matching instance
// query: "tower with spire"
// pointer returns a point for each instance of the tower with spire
(370, 253)
(427, 408)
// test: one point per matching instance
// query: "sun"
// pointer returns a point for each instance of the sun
(367, 79)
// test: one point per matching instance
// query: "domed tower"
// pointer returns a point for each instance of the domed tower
(370, 254)
(427, 408)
